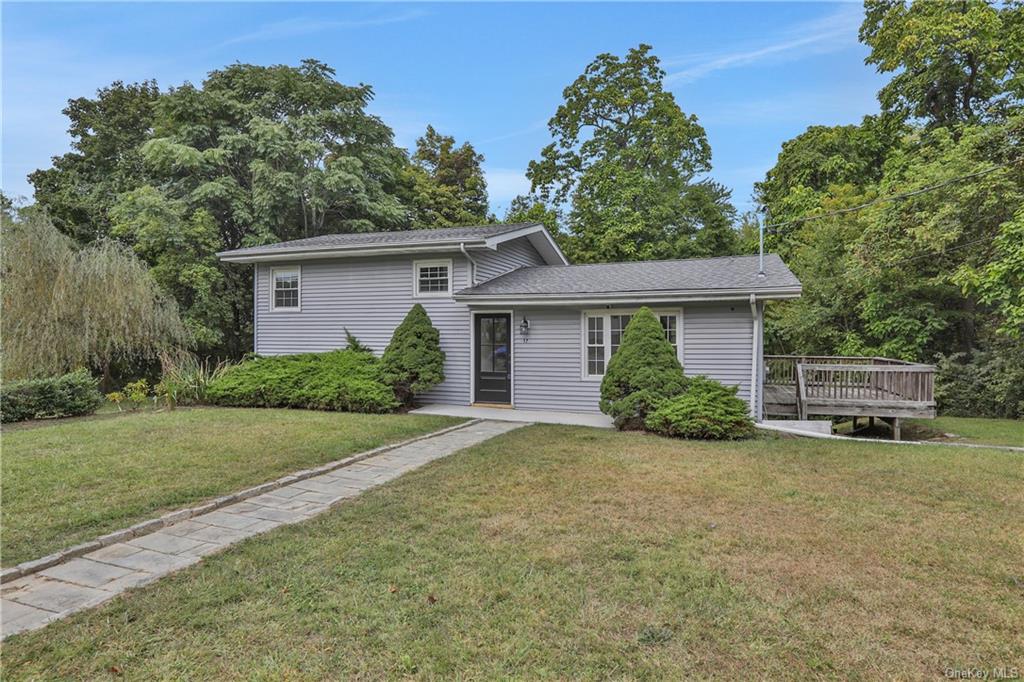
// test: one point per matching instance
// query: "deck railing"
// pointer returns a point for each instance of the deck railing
(857, 385)
(781, 369)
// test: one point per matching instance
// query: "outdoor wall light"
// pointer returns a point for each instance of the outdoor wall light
(524, 329)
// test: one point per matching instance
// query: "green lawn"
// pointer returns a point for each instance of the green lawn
(974, 430)
(68, 482)
(559, 552)
(971, 430)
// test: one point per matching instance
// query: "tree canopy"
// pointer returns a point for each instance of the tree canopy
(66, 306)
(252, 155)
(624, 160)
(940, 268)
(448, 182)
(106, 132)
(953, 62)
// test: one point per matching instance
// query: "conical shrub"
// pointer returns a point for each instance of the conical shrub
(413, 362)
(642, 373)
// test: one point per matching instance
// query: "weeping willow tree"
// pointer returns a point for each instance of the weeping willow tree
(66, 307)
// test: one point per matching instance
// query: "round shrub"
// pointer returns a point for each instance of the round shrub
(413, 362)
(642, 373)
(707, 410)
(70, 395)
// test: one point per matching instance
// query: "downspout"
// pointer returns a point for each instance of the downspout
(256, 308)
(755, 346)
(472, 264)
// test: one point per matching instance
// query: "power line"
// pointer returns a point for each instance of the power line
(910, 259)
(879, 200)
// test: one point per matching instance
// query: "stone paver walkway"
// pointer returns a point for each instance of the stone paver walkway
(35, 600)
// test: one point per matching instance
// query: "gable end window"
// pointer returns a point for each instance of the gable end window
(285, 283)
(432, 278)
(603, 336)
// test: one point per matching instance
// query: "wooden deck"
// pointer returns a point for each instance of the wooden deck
(802, 386)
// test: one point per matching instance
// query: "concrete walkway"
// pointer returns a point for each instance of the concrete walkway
(33, 601)
(516, 415)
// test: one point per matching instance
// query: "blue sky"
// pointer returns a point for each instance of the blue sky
(754, 74)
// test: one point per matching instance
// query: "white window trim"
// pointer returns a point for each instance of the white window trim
(273, 290)
(606, 313)
(417, 264)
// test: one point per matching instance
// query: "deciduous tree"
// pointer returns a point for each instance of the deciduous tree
(624, 161)
(449, 187)
(66, 307)
(952, 61)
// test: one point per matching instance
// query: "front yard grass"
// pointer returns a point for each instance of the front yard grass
(970, 430)
(973, 430)
(68, 482)
(559, 552)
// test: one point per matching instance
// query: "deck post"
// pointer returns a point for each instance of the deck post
(896, 428)
(871, 422)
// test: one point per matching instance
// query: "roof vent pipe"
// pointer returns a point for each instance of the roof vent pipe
(760, 248)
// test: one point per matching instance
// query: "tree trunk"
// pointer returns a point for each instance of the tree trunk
(107, 381)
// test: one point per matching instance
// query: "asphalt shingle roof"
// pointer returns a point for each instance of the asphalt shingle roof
(701, 274)
(410, 237)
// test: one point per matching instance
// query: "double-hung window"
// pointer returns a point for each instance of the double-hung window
(595, 345)
(432, 278)
(604, 331)
(285, 294)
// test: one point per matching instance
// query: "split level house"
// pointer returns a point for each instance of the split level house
(520, 326)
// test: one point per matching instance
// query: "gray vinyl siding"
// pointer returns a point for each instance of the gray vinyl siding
(516, 253)
(370, 297)
(547, 369)
(717, 342)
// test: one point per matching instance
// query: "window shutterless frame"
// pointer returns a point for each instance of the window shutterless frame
(284, 272)
(432, 278)
(598, 339)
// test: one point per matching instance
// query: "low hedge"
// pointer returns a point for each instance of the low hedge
(70, 395)
(343, 380)
(706, 410)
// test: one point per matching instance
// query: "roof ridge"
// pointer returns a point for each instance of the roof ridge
(449, 228)
(656, 260)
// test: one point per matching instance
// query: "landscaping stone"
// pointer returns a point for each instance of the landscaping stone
(228, 520)
(164, 542)
(153, 562)
(146, 527)
(57, 596)
(115, 537)
(86, 572)
(184, 527)
(218, 535)
(9, 574)
(19, 617)
(56, 587)
(112, 552)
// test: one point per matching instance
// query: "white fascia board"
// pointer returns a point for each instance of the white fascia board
(628, 299)
(342, 252)
(539, 237)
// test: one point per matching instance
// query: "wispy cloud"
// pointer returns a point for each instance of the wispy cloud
(532, 128)
(832, 33)
(300, 26)
(504, 184)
